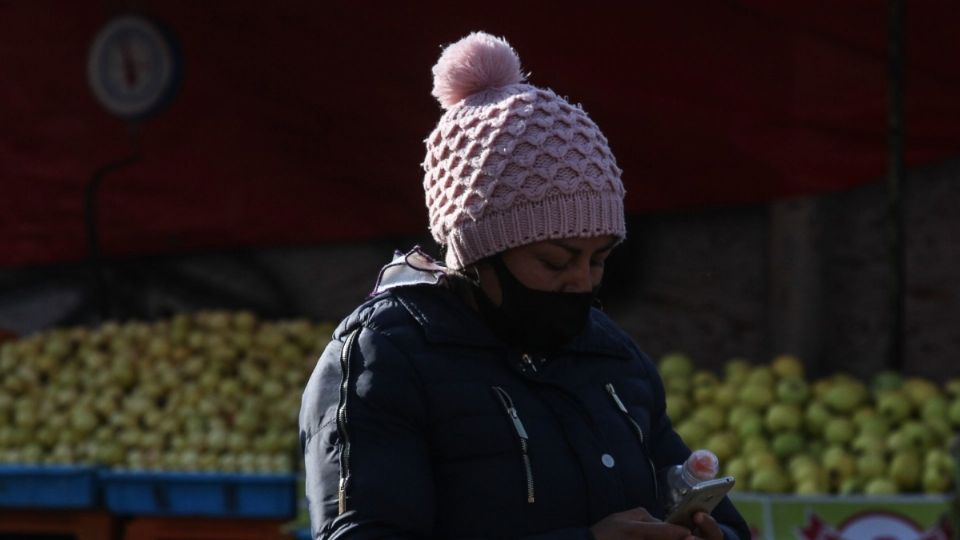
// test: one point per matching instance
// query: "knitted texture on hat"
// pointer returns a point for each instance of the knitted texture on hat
(509, 163)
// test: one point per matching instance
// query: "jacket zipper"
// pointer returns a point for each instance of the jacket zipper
(636, 427)
(342, 419)
(511, 411)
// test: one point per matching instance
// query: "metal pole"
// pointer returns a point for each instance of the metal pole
(92, 225)
(895, 174)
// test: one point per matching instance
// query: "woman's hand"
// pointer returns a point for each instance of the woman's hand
(638, 524)
(704, 526)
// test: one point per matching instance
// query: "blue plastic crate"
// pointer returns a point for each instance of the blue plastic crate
(40, 486)
(200, 494)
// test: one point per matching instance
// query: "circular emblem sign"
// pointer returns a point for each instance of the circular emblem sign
(133, 67)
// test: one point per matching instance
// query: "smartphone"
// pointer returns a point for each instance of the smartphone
(703, 497)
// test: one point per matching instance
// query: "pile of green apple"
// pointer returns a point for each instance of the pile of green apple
(210, 391)
(777, 432)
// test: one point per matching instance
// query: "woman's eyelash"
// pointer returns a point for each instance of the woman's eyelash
(559, 267)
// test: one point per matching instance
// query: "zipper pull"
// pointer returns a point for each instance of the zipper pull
(528, 360)
(512, 412)
(517, 424)
(616, 399)
(342, 496)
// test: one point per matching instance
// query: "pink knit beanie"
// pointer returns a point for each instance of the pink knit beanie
(510, 164)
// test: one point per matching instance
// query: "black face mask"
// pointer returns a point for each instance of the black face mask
(533, 320)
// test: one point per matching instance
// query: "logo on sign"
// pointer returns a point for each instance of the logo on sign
(872, 526)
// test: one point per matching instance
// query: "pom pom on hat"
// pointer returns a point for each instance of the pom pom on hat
(476, 63)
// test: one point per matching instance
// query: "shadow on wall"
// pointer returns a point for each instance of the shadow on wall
(804, 276)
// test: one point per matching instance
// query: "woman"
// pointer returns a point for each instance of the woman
(486, 397)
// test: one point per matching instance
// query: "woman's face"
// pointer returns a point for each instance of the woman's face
(562, 265)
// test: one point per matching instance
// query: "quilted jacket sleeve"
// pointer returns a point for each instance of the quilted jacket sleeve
(368, 473)
(667, 448)
(362, 429)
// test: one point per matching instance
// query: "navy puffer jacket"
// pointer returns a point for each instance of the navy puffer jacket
(419, 423)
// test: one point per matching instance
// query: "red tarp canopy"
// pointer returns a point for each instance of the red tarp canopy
(302, 122)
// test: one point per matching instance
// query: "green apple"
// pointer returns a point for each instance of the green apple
(881, 486)
(692, 432)
(820, 388)
(953, 413)
(865, 443)
(916, 434)
(894, 406)
(864, 414)
(704, 395)
(839, 465)
(939, 459)
(724, 445)
(935, 482)
(756, 395)
(245, 321)
(678, 385)
(738, 468)
(750, 426)
(815, 417)
(885, 381)
(871, 465)
(808, 486)
(704, 378)
(898, 442)
(738, 413)
(754, 445)
(762, 459)
(935, 408)
(678, 406)
(839, 431)
(735, 371)
(953, 387)
(787, 366)
(801, 463)
(920, 391)
(727, 395)
(761, 376)
(850, 486)
(939, 471)
(783, 417)
(940, 430)
(769, 480)
(675, 365)
(787, 444)
(711, 417)
(874, 427)
(845, 397)
(793, 391)
(906, 470)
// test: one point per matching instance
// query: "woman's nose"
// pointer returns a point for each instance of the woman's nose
(580, 279)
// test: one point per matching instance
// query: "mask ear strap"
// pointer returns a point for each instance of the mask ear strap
(471, 274)
(500, 266)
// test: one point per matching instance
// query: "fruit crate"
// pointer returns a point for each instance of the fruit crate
(200, 494)
(195, 528)
(41, 486)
